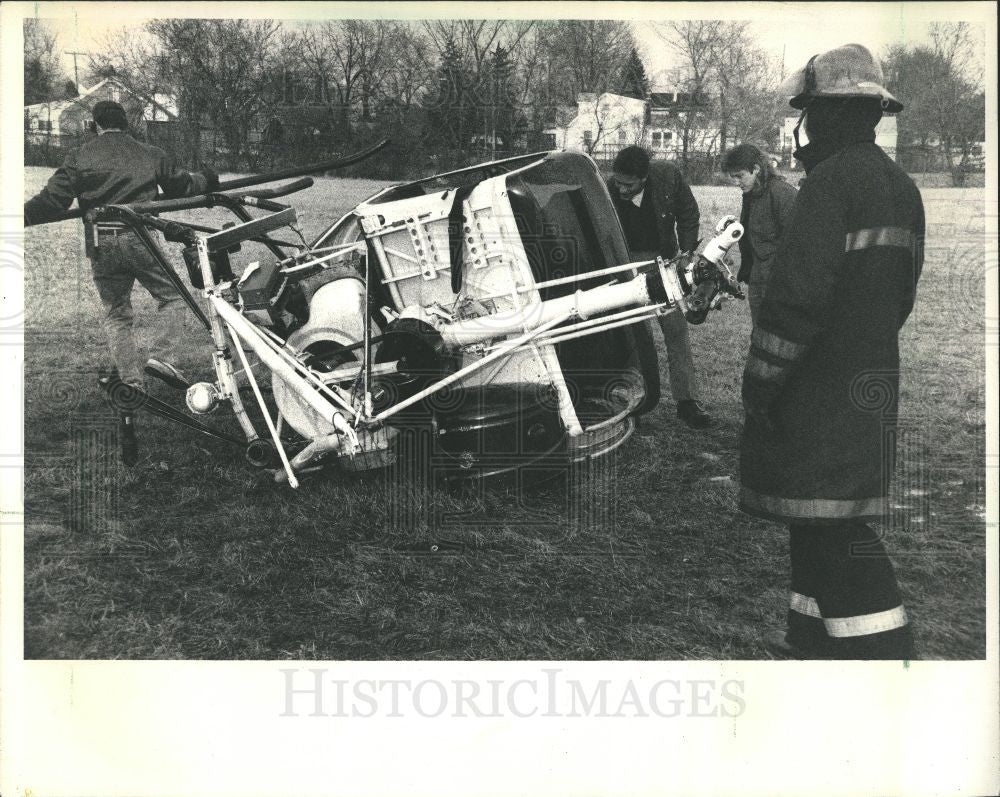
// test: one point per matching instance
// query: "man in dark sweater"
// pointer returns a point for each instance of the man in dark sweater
(659, 216)
(114, 168)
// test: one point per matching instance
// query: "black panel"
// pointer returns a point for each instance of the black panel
(568, 226)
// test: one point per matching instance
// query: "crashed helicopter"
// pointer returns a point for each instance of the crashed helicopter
(492, 311)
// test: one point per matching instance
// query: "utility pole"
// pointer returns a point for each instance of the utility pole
(495, 91)
(76, 72)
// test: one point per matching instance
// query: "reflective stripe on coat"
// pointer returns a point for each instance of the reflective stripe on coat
(821, 381)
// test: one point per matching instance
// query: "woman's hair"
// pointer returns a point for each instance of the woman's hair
(743, 157)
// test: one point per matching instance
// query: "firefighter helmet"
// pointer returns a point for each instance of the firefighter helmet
(848, 71)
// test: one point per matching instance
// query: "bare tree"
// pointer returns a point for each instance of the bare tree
(954, 42)
(694, 42)
(42, 72)
(583, 56)
(729, 79)
(530, 63)
(478, 43)
(220, 72)
(742, 77)
(941, 86)
(477, 39)
(614, 126)
(132, 59)
(961, 104)
(347, 61)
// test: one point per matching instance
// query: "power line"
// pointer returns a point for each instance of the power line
(76, 72)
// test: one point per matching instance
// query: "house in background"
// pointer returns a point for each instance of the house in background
(664, 123)
(885, 136)
(557, 121)
(678, 122)
(603, 125)
(71, 118)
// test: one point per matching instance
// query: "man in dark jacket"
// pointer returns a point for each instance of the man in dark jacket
(114, 168)
(821, 383)
(660, 217)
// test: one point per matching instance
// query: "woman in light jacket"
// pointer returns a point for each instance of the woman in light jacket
(766, 213)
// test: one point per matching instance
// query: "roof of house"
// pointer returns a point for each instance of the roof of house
(562, 116)
(666, 99)
(61, 105)
(621, 99)
(558, 116)
(71, 101)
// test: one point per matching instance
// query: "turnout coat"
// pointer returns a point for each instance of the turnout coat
(821, 382)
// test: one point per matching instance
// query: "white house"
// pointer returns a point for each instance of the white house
(603, 125)
(676, 116)
(885, 137)
(606, 124)
(72, 116)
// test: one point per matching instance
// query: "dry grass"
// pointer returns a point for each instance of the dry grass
(193, 555)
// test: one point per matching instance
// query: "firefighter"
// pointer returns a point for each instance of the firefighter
(821, 383)
(114, 168)
(658, 214)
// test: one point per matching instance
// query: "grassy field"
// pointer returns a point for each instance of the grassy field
(192, 554)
